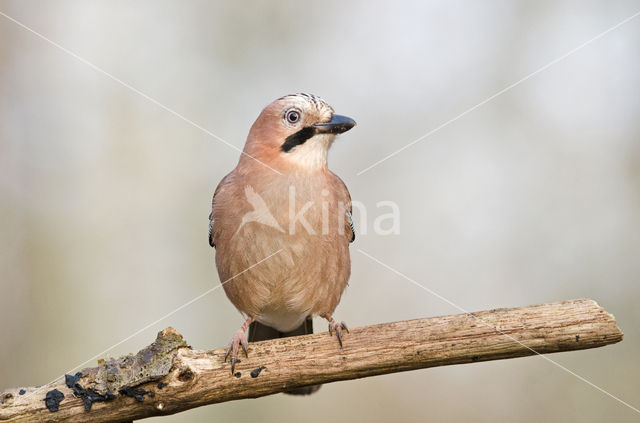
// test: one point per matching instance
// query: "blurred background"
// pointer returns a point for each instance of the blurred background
(532, 197)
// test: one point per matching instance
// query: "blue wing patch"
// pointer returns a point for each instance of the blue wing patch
(353, 229)
(210, 230)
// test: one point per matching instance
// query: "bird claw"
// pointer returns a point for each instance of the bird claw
(239, 338)
(338, 327)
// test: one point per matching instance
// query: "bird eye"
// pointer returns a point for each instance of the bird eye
(293, 116)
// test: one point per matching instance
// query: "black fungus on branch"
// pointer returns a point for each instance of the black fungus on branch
(53, 399)
(88, 396)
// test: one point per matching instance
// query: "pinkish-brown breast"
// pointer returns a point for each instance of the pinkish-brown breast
(311, 265)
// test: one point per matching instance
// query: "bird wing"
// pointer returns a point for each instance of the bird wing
(220, 187)
(350, 221)
(211, 243)
(350, 230)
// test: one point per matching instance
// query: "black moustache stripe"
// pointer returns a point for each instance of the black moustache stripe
(298, 138)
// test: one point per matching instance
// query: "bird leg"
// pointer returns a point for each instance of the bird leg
(333, 325)
(239, 338)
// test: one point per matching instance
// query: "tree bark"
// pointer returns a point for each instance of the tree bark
(168, 376)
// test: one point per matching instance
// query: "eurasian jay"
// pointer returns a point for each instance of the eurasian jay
(282, 202)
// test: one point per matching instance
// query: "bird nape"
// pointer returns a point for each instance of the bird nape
(281, 225)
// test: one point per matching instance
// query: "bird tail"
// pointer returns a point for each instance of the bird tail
(260, 332)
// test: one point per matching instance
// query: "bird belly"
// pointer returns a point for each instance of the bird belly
(288, 266)
(305, 277)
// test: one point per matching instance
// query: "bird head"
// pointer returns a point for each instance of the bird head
(295, 132)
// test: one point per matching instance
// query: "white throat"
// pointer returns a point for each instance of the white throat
(313, 153)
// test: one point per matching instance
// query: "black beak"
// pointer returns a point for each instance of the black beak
(337, 125)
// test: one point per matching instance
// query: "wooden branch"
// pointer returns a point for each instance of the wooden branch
(168, 376)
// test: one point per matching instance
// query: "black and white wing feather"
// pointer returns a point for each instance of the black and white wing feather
(211, 230)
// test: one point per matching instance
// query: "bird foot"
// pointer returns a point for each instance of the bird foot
(239, 338)
(337, 327)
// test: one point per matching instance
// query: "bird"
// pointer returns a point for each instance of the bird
(281, 225)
